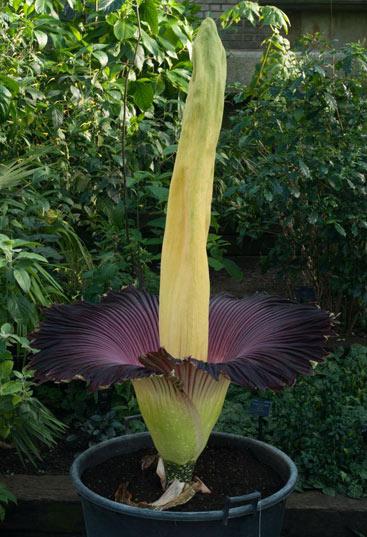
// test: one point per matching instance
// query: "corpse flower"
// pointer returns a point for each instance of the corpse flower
(182, 350)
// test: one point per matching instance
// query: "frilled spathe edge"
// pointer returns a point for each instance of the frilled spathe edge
(257, 342)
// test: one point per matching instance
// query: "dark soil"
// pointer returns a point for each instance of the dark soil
(226, 471)
(55, 461)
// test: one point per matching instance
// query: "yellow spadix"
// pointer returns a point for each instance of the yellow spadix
(184, 284)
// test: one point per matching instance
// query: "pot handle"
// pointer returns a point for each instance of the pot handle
(248, 499)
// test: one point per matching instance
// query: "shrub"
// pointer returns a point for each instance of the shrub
(25, 423)
(86, 88)
(97, 97)
(296, 169)
(320, 423)
(26, 283)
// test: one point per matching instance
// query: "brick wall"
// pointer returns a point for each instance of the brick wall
(214, 7)
(242, 36)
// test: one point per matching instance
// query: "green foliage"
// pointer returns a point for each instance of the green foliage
(26, 215)
(25, 423)
(97, 92)
(318, 423)
(6, 497)
(252, 12)
(276, 46)
(296, 170)
(12, 174)
(71, 402)
(99, 427)
(26, 283)
(90, 83)
(97, 68)
(91, 417)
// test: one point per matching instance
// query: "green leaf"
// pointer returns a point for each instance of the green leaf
(304, 168)
(275, 17)
(233, 269)
(10, 83)
(178, 78)
(158, 223)
(78, 36)
(101, 57)
(312, 218)
(23, 279)
(6, 367)
(149, 14)
(104, 5)
(340, 229)
(4, 353)
(149, 43)
(5, 100)
(6, 329)
(159, 192)
(38, 293)
(143, 94)
(20, 243)
(170, 150)
(139, 57)
(31, 255)
(21, 310)
(295, 190)
(57, 118)
(14, 310)
(35, 94)
(40, 6)
(179, 33)
(11, 387)
(268, 196)
(216, 264)
(5, 495)
(12, 174)
(41, 38)
(123, 30)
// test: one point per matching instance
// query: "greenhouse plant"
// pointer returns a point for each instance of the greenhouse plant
(182, 351)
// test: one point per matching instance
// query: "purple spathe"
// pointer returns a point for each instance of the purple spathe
(259, 342)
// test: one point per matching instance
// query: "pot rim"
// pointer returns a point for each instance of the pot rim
(142, 512)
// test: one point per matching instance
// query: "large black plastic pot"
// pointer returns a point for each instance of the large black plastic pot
(244, 516)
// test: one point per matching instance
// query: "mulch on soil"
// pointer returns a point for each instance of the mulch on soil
(226, 471)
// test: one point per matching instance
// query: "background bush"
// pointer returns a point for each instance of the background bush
(296, 171)
(321, 423)
(83, 89)
(26, 425)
